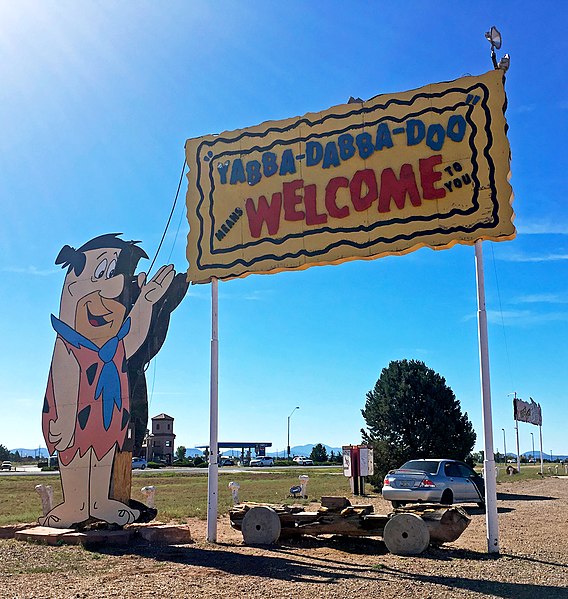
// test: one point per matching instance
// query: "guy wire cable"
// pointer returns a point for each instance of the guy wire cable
(153, 383)
(175, 237)
(170, 216)
(502, 319)
(145, 368)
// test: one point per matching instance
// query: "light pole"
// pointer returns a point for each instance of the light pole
(296, 408)
(504, 446)
(532, 438)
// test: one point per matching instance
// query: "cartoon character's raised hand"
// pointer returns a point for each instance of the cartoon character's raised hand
(141, 313)
(155, 288)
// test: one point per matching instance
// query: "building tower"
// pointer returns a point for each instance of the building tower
(160, 441)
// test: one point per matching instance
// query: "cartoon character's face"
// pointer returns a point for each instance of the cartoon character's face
(89, 303)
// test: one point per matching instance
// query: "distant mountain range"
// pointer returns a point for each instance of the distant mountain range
(300, 450)
(305, 450)
(536, 455)
(191, 452)
(32, 453)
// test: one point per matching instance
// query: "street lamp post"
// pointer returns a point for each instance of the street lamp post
(296, 408)
(504, 445)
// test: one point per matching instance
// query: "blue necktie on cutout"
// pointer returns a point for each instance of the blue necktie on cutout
(108, 384)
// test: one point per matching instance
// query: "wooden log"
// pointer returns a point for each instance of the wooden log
(121, 484)
(449, 527)
(359, 510)
(336, 526)
(445, 524)
(335, 503)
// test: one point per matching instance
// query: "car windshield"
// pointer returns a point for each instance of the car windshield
(429, 466)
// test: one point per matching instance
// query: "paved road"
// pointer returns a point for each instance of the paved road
(33, 470)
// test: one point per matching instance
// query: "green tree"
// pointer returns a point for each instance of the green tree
(4, 453)
(319, 453)
(411, 413)
(180, 453)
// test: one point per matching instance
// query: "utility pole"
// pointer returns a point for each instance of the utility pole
(296, 408)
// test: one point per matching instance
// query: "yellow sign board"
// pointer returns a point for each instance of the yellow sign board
(428, 167)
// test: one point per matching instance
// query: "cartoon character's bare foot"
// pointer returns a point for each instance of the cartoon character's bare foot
(114, 512)
(64, 516)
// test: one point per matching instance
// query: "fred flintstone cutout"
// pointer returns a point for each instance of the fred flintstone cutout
(111, 323)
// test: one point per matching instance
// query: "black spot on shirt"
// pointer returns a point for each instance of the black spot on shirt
(92, 372)
(83, 416)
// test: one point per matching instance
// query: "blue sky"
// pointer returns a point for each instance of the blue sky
(96, 102)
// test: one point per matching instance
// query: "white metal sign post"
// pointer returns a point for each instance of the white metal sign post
(491, 519)
(541, 461)
(518, 448)
(213, 473)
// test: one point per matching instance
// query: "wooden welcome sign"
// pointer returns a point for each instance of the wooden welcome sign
(428, 167)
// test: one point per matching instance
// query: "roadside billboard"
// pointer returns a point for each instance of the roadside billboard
(523, 411)
(428, 167)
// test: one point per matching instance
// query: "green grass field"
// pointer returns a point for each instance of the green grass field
(182, 495)
(179, 495)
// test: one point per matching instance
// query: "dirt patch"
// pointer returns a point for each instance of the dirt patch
(533, 526)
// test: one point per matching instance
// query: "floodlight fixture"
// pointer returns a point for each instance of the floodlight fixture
(505, 63)
(493, 36)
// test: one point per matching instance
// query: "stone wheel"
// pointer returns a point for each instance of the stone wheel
(261, 526)
(406, 534)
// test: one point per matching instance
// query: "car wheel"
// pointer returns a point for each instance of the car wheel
(447, 497)
(143, 466)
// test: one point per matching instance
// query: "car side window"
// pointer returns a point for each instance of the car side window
(465, 471)
(452, 470)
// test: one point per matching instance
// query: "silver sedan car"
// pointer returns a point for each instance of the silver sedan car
(434, 481)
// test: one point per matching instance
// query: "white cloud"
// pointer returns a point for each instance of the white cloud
(199, 292)
(523, 108)
(525, 317)
(518, 257)
(542, 298)
(30, 270)
(248, 296)
(542, 228)
(521, 317)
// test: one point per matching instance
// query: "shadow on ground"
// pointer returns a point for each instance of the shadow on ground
(276, 562)
(290, 562)
(492, 588)
(516, 497)
(479, 511)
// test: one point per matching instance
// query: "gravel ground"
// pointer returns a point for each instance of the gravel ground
(533, 521)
